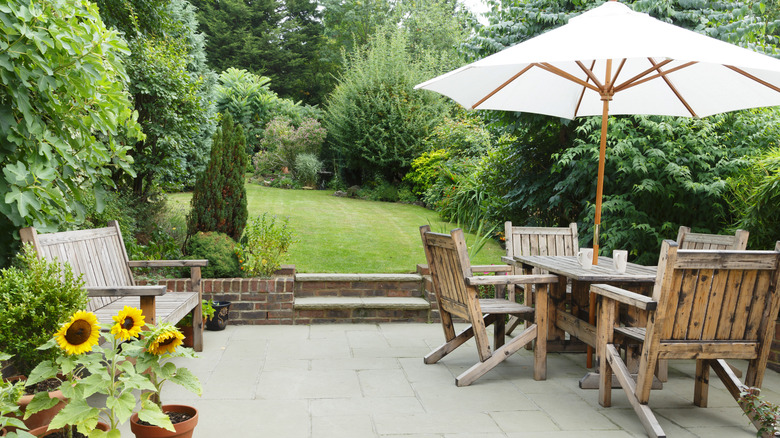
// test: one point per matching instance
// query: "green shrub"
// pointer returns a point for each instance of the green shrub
(285, 181)
(266, 163)
(219, 199)
(284, 139)
(755, 200)
(219, 249)
(307, 169)
(36, 297)
(264, 245)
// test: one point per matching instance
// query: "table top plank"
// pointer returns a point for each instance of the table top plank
(568, 266)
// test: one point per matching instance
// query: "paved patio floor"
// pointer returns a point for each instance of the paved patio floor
(369, 380)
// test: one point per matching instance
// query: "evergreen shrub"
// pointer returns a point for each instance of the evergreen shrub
(219, 199)
(219, 249)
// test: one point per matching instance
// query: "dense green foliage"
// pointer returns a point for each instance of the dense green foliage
(63, 100)
(661, 172)
(219, 249)
(280, 39)
(287, 141)
(171, 87)
(219, 199)
(376, 122)
(755, 200)
(264, 245)
(35, 298)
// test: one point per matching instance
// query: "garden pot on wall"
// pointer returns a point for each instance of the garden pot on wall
(184, 429)
(43, 417)
(43, 431)
(220, 319)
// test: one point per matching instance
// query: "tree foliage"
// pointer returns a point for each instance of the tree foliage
(280, 39)
(661, 172)
(376, 122)
(64, 102)
(219, 199)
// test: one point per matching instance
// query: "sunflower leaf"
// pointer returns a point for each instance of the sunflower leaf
(122, 406)
(76, 411)
(152, 413)
(188, 380)
(44, 370)
(40, 401)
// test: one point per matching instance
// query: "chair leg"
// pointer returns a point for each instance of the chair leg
(499, 335)
(702, 384)
(446, 348)
(604, 336)
(540, 346)
(479, 369)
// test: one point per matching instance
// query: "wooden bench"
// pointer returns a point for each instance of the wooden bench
(99, 255)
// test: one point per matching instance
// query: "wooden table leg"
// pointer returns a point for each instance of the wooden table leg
(592, 321)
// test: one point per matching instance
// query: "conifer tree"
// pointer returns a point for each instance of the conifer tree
(219, 198)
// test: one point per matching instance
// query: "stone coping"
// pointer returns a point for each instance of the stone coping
(398, 303)
(358, 277)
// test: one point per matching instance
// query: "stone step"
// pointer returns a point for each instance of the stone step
(384, 303)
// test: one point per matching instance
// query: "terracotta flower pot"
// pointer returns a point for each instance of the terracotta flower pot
(43, 417)
(183, 429)
(41, 431)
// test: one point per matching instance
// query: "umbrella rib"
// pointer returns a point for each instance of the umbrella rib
(749, 76)
(591, 75)
(617, 73)
(582, 94)
(500, 87)
(555, 70)
(673, 88)
(633, 81)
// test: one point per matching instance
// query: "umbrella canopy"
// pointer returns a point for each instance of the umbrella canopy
(612, 60)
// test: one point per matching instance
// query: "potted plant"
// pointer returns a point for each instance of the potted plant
(9, 407)
(36, 296)
(185, 325)
(763, 414)
(221, 311)
(135, 361)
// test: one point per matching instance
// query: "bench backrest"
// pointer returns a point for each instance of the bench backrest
(556, 241)
(688, 240)
(99, 254)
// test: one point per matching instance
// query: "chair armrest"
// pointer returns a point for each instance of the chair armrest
(167, 263)
(114, 291)
(508, 260)
(624, 296)
(491, 268)
(511, 279)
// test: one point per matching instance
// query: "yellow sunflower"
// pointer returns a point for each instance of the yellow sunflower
(79, 334)
(165, 339)
(129, 322)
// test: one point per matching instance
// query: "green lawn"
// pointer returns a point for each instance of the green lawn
(351, 235)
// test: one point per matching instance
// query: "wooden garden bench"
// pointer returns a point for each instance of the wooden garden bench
(99, 255)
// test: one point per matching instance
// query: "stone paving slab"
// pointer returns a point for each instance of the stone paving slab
(369, 380)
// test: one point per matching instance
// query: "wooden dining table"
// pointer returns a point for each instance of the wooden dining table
(575, 313)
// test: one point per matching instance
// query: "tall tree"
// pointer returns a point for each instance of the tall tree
(63, 103)
(280, 39)
(171, 87)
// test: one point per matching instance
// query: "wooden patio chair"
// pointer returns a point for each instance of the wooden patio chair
(707, 305)
(560, 241)
(688, 240)
(99, 254)
(457, 296)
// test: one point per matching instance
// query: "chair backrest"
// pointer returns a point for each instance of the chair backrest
(714, 303)
(541, 240)
(99, 254)
(449, 265)
(688, 240)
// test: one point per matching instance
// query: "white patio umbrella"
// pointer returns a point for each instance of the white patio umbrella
(612, 60)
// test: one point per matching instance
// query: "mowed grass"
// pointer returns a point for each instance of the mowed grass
(342, 235)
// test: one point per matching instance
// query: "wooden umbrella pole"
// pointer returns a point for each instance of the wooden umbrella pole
(606, 96)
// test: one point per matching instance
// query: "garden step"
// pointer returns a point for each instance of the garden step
(336, 303)
(358, 277)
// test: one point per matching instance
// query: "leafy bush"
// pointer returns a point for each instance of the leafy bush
(219, 199)
(307, 169)
(755, 198)
(264, 245)
(266, 163)
(376, 121)
(283, 138)
(36, 296)
(426, 170)
(285, 181)
(219, 249)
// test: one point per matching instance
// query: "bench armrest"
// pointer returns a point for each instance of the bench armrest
(121, 291)
(167, 263)
(491, 268)
(624, 296)
(511, 279)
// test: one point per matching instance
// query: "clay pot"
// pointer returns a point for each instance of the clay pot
(43, 417)
(2, 432)
(41, 431)
(183, 429)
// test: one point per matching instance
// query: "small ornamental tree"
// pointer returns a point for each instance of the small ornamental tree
(219, 198)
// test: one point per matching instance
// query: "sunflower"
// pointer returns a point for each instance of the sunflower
(79, 334)
(128, 323)
(164, 339)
